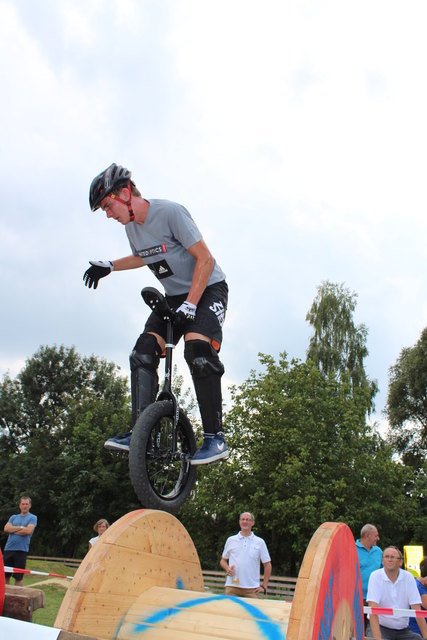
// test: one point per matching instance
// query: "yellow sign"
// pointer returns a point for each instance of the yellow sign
(413, 557)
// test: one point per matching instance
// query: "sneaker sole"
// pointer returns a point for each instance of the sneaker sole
(116, 447)
(219, 456)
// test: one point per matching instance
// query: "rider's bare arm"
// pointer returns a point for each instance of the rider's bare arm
(202, 270)
(128, 262)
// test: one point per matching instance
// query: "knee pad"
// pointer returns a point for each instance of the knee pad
(146, 353)
(202, 359)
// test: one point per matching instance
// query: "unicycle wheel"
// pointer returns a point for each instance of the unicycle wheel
(162, 478)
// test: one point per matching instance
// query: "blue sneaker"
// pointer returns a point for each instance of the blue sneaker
(214, 448)
(119, 443)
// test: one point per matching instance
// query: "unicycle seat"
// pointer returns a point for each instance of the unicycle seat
(157, 303)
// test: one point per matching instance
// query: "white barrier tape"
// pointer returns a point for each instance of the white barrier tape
(37, 573)
(398, 613)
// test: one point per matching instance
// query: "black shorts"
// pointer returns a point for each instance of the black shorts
(209, 318)
(17, 559)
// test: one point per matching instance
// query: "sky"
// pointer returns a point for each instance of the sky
(294, 132)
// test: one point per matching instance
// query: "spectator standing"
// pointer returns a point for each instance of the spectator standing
(393, 587)
(370, 555)
(20, 528)
(99, 527)
(241, 559)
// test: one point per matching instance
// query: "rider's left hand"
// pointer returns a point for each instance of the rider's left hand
(185, 313)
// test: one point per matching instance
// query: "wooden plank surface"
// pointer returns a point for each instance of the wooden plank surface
(170, 613)
(66, 635)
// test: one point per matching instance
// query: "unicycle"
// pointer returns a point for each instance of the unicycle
(162, 441)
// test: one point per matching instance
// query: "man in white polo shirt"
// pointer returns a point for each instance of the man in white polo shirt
(393, 587)
(241, 561)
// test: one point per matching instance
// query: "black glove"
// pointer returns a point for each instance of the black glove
(98, 270)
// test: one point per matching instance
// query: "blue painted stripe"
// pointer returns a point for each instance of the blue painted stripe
(268, 628)
(328, 612)
(179, 583)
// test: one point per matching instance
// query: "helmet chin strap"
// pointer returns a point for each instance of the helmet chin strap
(128, 203)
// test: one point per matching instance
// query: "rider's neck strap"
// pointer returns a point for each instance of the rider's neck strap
(128, 203)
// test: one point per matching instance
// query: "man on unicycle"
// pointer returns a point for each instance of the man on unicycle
(163, 236)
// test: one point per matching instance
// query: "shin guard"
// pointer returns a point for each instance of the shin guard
(144, 361)
(206, 370)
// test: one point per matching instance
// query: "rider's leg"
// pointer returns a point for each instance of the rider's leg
(206, 370)
(144, 361)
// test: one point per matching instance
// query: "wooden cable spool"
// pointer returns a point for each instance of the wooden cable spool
(328, 600)
(143, 579)
(141, 550)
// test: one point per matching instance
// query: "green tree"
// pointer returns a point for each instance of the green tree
(407, 403)
(301, 454)
(54, 418)
(338, 346)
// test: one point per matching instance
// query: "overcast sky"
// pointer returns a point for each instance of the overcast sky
(294, 132)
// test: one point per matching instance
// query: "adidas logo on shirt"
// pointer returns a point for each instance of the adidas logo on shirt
(160, 269)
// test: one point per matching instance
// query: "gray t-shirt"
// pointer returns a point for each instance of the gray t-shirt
(162, 242)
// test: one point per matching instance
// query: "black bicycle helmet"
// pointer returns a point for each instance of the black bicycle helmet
(107, 181)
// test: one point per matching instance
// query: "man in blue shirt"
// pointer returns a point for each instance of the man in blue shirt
(20, 528)
(370, 556)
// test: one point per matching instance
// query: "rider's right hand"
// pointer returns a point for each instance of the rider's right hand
(98, 270)
(184, 314)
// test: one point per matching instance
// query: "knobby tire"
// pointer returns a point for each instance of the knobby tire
(160, 479)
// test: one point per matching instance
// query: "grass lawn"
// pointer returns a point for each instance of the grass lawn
(54, 592)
